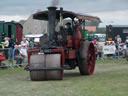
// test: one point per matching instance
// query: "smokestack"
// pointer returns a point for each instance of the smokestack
(51, 22)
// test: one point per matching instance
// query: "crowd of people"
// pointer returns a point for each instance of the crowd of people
(19, 52)
(119, 47)
(14, 51)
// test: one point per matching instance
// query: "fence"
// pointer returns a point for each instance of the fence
(111, 50)
(10, 61)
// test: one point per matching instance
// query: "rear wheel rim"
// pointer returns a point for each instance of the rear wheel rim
(91, 58)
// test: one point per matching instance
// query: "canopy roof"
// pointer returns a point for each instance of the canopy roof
(43, 15)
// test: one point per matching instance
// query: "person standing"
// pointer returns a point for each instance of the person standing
(25, 42)
(126, 47)
(100, 51)
(95, 42)
(11, 47)
(32, 47)
(6, 45)
(118, 41)
(126, 42)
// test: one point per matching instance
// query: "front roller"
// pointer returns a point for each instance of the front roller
(87, 58)
(45, 67)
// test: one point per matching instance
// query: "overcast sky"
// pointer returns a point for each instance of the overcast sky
(109, 11)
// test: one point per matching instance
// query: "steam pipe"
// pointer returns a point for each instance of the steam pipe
(61, 16)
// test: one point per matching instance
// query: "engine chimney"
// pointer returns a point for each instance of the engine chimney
(51, 22)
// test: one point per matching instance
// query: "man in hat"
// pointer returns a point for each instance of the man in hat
(68, 28)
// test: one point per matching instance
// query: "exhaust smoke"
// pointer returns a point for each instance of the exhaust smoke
(55, 2)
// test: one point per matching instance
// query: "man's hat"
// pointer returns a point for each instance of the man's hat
(68, 23)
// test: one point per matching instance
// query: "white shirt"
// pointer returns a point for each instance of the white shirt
(25, 43)
(119, 40)
(24, 51)
(6, 43)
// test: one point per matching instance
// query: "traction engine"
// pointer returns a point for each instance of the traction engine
(59, 51)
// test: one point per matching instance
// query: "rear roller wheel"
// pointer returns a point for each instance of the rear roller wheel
(45, 61)
(87, 58)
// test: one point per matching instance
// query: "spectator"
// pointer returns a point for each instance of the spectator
(25, 42)
(17, 56)
(125, 47)
(95, 42)
(100, 51)
(126, 41)
(106, 43)
(11, 47)
(115, 39)
(1, 46)
(6, 42)
(1, 53)
(2, 58)
(6, 45)
(119, 40)
(113, 44)
(32, 47)
(23, 51)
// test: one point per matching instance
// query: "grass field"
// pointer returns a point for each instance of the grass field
(110, 79)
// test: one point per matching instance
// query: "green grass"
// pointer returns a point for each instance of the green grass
(110, 79)
(10, 71)
(112, 60)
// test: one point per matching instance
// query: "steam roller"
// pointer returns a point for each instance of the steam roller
(60, 50)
